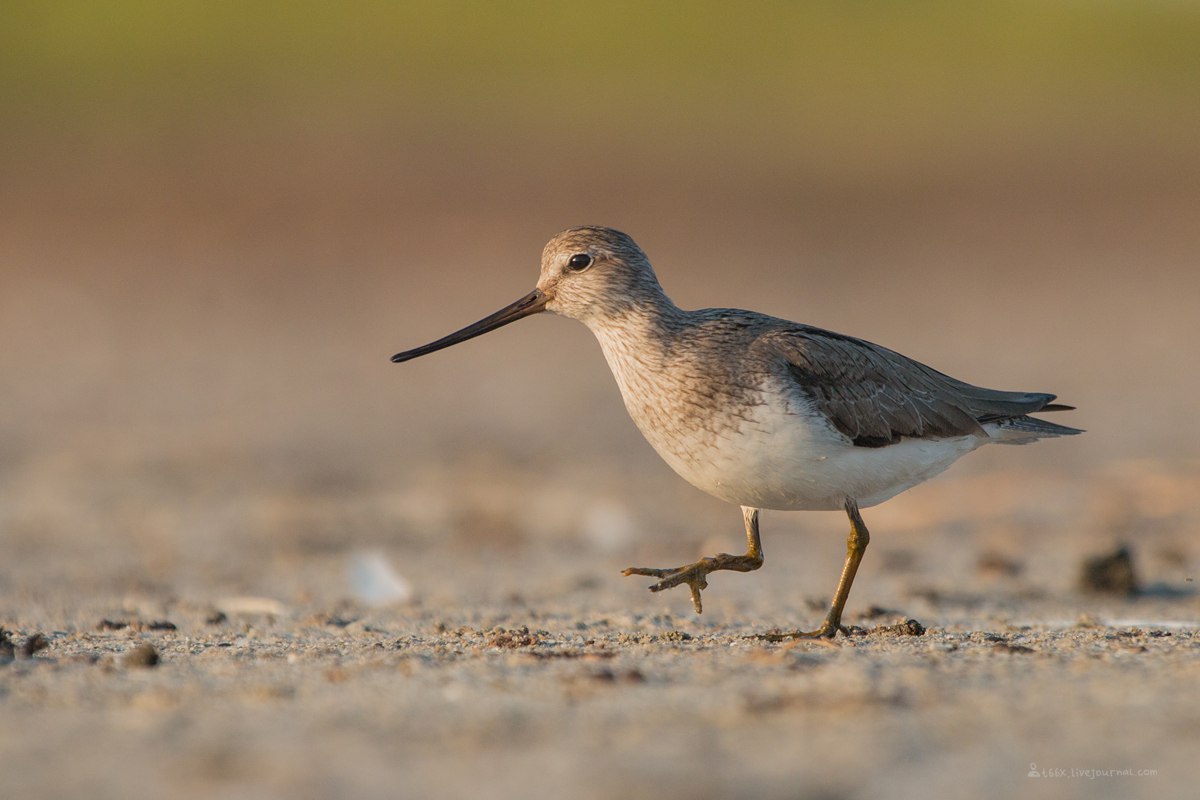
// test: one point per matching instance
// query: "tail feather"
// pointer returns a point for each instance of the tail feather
(993, 405)
(1025, 429)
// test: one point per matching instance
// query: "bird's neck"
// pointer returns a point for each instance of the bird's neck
(640, 337)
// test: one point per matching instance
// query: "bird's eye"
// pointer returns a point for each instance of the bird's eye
(579, 262)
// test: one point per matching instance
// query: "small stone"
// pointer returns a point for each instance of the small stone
(1112, 573)
(144, 655)
(154, 625)
(500, 638)
(33, 644)
(909, 627)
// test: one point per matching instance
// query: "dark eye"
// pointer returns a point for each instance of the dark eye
(579, 262)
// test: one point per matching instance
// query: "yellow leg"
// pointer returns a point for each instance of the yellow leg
(695, 575)
(856, 545)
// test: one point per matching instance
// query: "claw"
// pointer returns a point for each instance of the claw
(647, 571)
(695, 583)
(693, 575)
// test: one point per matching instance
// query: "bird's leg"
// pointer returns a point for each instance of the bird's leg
(695, 575)
(856, 545)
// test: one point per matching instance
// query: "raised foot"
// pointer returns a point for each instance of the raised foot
(695, 575)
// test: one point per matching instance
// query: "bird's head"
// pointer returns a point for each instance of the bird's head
(588, 273)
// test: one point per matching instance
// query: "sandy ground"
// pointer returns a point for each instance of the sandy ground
(523, 665)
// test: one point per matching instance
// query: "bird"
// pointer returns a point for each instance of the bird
(761, 412)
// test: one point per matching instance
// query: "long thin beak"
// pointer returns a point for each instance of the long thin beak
(530, 304)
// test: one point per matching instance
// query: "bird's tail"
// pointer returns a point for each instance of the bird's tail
(1024, 429)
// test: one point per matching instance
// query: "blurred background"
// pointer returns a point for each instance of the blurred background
(219, 220)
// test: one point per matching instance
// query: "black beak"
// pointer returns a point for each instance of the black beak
(530, 304)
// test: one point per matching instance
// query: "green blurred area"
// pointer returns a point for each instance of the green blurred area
(837, 86)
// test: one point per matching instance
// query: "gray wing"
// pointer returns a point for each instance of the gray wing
(876, 396)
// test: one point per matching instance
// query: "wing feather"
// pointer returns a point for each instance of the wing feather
(875, 396)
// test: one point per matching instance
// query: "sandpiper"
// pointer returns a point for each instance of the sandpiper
(763, 412)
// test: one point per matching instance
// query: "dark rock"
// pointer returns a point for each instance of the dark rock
(1112, 573)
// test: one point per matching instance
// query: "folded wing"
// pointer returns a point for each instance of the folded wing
(876, 397)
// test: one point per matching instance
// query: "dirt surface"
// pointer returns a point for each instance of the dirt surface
(537, 703)
(528, 667)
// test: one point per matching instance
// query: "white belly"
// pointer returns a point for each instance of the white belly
(787, 461)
